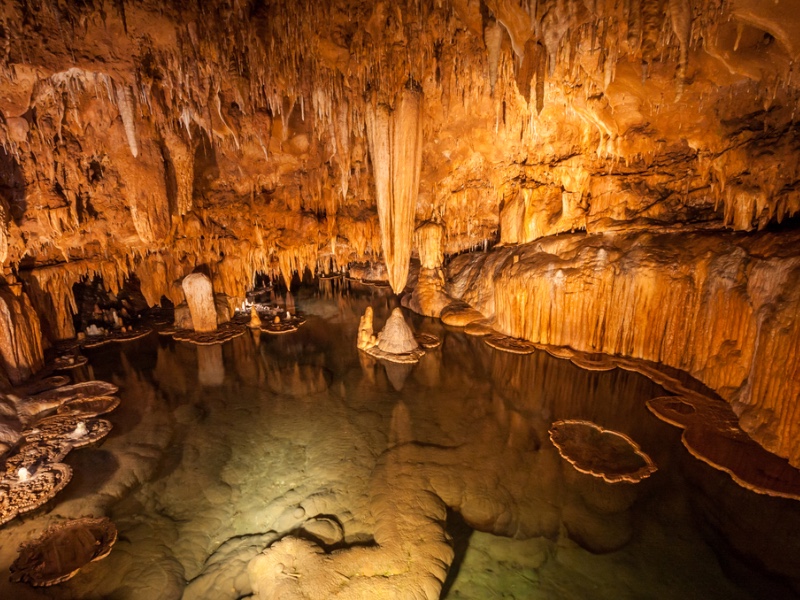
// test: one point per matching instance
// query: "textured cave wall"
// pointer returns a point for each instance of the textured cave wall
(21, 352)
(155, 138)
(721, 307)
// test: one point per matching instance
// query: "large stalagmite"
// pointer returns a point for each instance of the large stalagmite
(395, 140)
(200, 298)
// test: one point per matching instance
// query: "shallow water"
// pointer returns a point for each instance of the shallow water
(219, 451)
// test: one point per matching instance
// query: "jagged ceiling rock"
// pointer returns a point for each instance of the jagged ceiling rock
(123, 123)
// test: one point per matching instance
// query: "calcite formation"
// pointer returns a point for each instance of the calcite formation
(396, 336)
(63, 550)
(140, 142)
(722, 307)
(600, 452)
(395, 143)
(428, 297)
(395, 343)
(200, 298)
(21, 352)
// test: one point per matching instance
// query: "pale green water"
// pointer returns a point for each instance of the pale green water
(215, 449)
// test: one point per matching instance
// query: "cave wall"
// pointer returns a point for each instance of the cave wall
(155, 138)
(722, 307)
(21, 349)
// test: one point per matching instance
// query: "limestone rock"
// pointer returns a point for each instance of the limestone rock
(652, 297)
(396, 336)
(324, 529)
(200, 299)
(21, 352)
(366, 337)
(125, 161)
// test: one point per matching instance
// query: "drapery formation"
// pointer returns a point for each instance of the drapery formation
(395, 145)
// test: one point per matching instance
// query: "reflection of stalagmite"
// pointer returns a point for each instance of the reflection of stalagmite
(395, 142)
(210, 366)
(397, 373)
(200, 298)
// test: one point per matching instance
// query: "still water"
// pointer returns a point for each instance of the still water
(219, 451)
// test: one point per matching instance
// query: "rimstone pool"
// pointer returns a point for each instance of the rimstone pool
(359, 475)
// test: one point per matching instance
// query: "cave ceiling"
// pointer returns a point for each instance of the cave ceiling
(149, 138)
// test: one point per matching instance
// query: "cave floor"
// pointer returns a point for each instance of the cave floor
(219, 451)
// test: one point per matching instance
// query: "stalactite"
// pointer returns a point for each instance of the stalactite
(343, 129)
(634, 23)
(3, 235)
(406, 144)
(428, 238)
(396, 150)
(527, 69)
(296, 260)
(652, 19)
(539, 76)
(182, 158)
(681, 18)
(493, 38)
(125, 105)
(51, 293)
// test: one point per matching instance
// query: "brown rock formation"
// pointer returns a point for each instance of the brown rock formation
(200, 298)
(722, 307)
(20, 335)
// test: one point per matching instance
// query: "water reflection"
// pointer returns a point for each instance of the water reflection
(220, 452)
(210, 367)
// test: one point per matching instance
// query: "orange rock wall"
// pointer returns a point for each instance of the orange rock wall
(721, 307)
